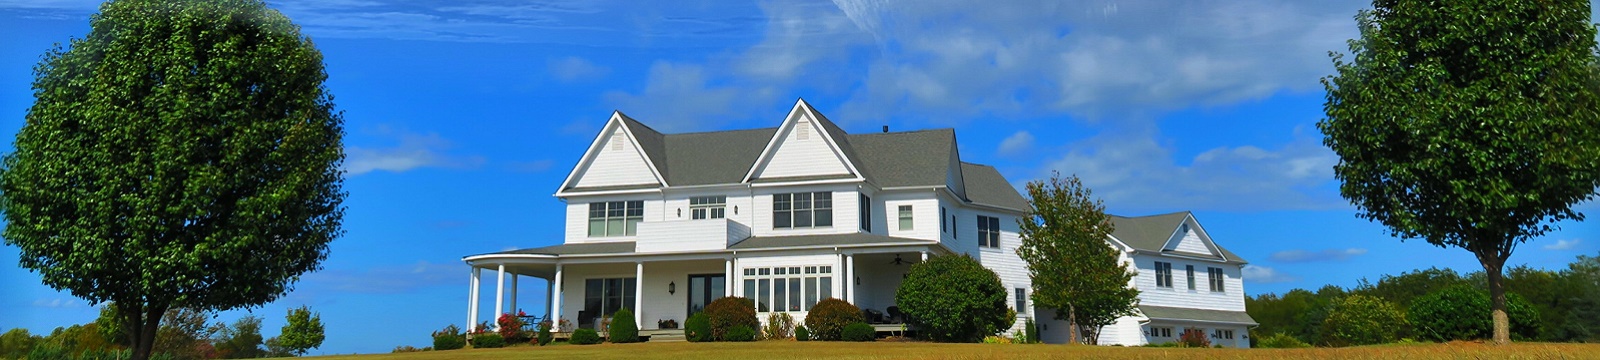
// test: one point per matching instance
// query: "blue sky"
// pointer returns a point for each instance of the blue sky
(463, 117)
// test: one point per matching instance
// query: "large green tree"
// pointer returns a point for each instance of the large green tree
(1075, 269)
(184, 153)
(302, 331)
(1469, 124)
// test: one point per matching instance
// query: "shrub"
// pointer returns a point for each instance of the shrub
(584, 337)
(953, 298)
(623, 328)
(740, 333)
(545, 336)
(1461, 312)
(1031, 330)
(698, 328)
(449, 339)
(858, 331)
(510, 327)
(829, 316)
(993, 339)
(1194, 337)
(728, 312)
(1281, 341)
(801, 334)
(488, 340)
(408, 349)
(779, 326)
(1362, 320)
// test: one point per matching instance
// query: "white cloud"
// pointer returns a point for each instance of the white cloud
(572, 68)
(1265, 275)
(1564, 244)
(1016, 143)
(395, 278)
(57, 303)
(1133, 170)
(677, 97)
(412, 151)
(1301, 256)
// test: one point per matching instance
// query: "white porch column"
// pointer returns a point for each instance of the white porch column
(736, 278)
(638, 295)
(555, 301)
(499, 295)
(549, 306)
(514, 278)
(838, 276)
(727, 277)
(472, 298)
(850, 278)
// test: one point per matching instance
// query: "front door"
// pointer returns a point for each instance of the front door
(705, 288)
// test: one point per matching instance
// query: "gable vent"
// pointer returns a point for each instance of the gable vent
(803, 131)
(616, 141)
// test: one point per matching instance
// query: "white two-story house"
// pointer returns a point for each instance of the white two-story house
(1185, 281)
(662, 224)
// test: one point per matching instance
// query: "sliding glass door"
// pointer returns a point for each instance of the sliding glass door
(705, 288)
(603, 297)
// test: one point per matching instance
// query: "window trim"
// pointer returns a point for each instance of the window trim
(708, 207)
(1164, 272)
(988, 231)
(906, 213)
(792, 205)
(811, 280)
(942, 227)
(1218, 279)
(865, 211)
(629, 212)
(1190, 269)
(1022, 300)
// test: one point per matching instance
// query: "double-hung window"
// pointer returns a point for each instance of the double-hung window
(1163, 274)
(615, 218)
(1022, 300)
(905, 217)
(866, 213)
(1216, 278)
(942, 227)
(1190, 269)
(708, 207)
(802, 210)
(988, 231)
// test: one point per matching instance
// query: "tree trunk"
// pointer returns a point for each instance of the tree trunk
(143, 326)
(1072, 325)
(1492, 266)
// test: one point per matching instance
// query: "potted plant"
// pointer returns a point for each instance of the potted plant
(667, 324)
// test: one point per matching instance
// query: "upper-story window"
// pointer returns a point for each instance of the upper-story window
(942, 227)
(1163, 274)
(802, 210)
(905, 217)
(866, 213)
(1216, 278)
(708, 207)
(615, 218)
(1190, 269)
(1022, 300)
(988, 231)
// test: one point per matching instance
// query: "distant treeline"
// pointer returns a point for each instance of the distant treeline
(1567, 303)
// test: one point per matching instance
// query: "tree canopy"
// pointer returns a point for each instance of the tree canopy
(1468, 124)
(183, 154)
(954, 298)
(1075, 270)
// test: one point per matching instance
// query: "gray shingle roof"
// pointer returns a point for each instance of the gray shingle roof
(1150, 233)
(897, 159)
(1176, 313)
(986, 186)
(622, 247)
(763, 242)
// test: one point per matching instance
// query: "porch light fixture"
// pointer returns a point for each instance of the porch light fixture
(672, 288)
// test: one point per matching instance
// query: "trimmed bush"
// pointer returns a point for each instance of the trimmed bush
(449, 339)
(545, 336)
(801, 334)
(829, 317)
(1362, 320)
(953, 298)
(698, 328)
(728, 312)
(1462, 313)
(488, 340)
(1031, 330)
(584, 337)
(779, 326)
(623, 328)
(740, 333)
(858, 331)
(1281, 341)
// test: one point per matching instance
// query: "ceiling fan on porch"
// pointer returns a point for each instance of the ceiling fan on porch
(898, 261)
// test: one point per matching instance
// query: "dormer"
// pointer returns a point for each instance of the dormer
(1175, 234)
(807, 146)
(624, 155)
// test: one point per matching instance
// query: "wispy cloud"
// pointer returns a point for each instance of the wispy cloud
(1265, 275)
(1303, 256)
(1564, 244)
(411, 151)
(58, 303)
(397, 278)
(533, 166)
(678, 97)
(572, 68)
(1016, 143)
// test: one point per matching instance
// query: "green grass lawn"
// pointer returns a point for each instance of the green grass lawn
(768, 350)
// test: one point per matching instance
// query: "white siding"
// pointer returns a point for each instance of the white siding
(924, 214)
(809, 157)
(578, 215)
(689, 235)
(1189, 241)
(1125, 332)
(612, 166)
(1012, 270)
(1179, 295)
(1210, 330)
(845, 210)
